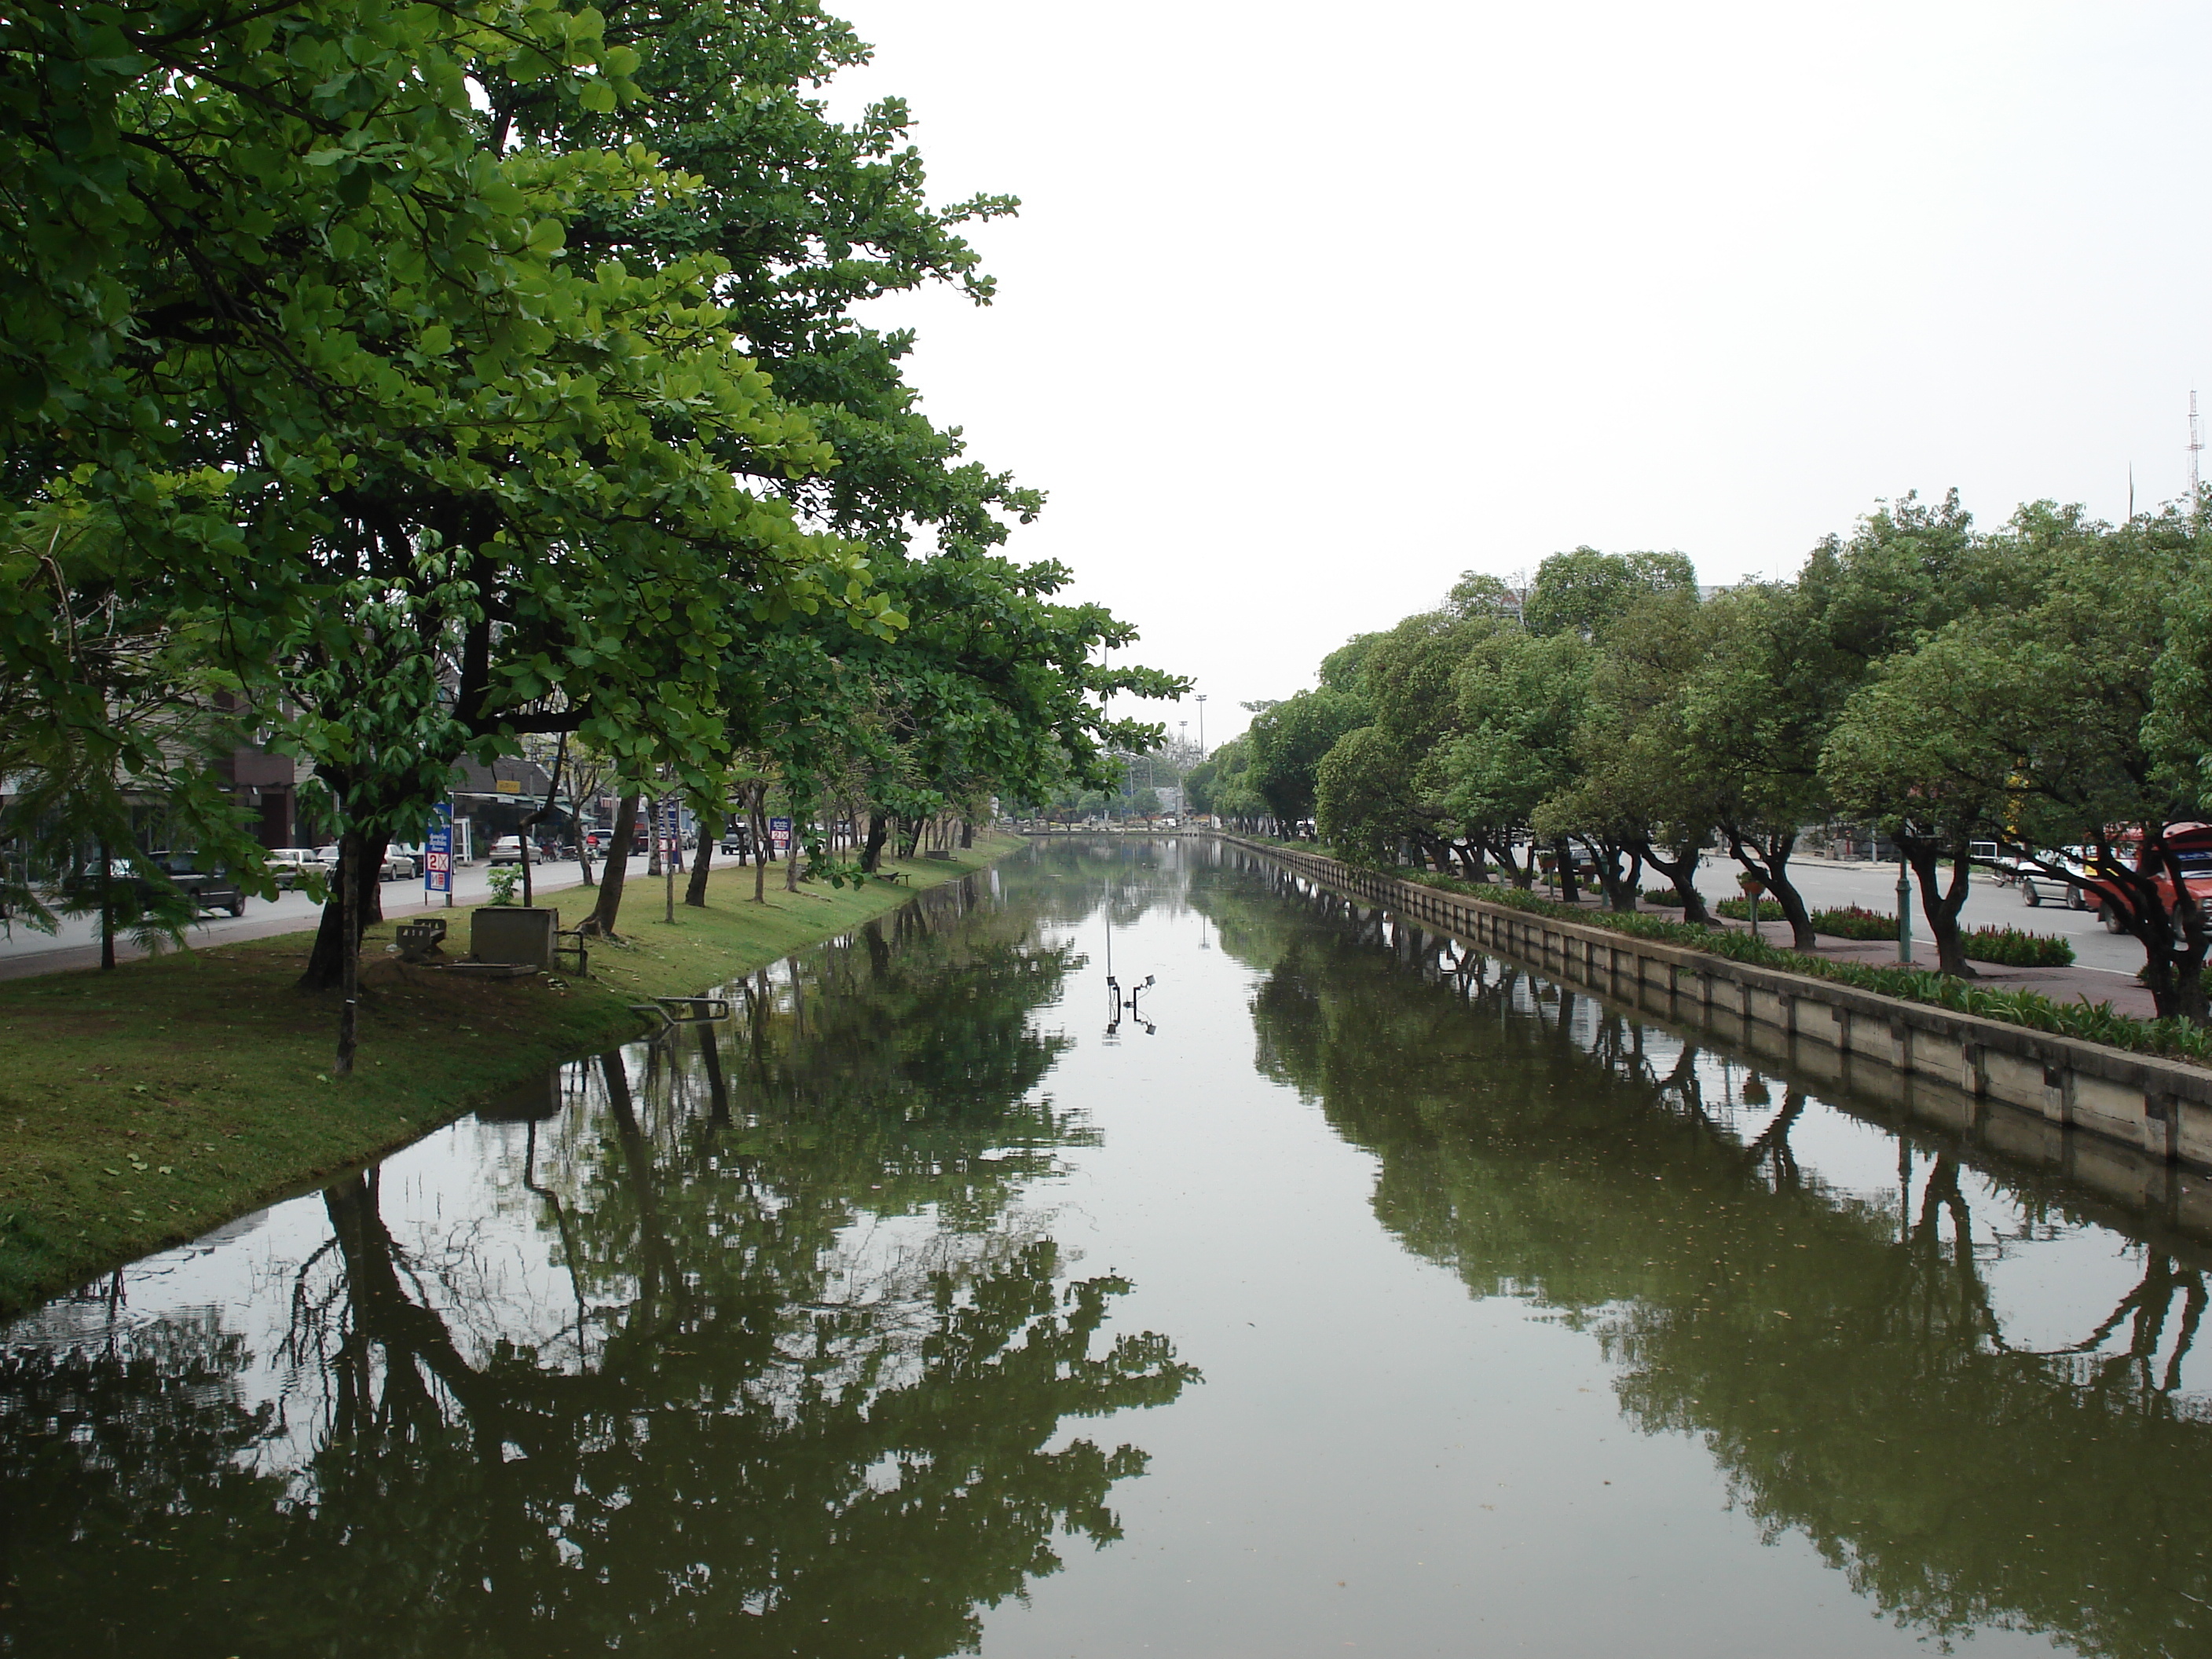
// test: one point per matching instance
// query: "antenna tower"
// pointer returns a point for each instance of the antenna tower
(2197, 443)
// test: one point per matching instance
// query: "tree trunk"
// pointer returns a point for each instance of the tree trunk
(759, 809)
(107, 905)
(1501, 854)
(791, 855)
(608, 907)
(717, 1090)
(694, 890)
(2173, 937)
(653, 842)
(1681, 870)
(879, 829)
(1768, 859)
(523, 835)
(967, 834)
(1569, 893)
(1941, 908)
(350, 865)
(327, 960)
(1620, 887)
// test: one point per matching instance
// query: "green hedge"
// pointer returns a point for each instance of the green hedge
(2092, 1022)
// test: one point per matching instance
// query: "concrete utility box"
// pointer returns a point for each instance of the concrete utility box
(512, 934)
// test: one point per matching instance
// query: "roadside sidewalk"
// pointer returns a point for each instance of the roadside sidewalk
(30, 954)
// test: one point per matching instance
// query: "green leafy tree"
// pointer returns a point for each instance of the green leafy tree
(1754, 714)
(108, 711)
(2037, 727)
(1366, 803)
(1629, 792)
(1520, 698)
(1288, 741)
(1584, 591)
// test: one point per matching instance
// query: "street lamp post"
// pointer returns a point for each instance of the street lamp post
(1202, 725)
(1904, 915)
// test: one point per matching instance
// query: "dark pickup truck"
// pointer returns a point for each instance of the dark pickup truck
(210, 889)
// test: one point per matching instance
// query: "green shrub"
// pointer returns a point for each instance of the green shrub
(1666, 896)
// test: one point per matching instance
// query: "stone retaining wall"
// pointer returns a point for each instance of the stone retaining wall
(1860, 1040)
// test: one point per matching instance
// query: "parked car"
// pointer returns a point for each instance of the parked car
(415, 853)
(151, 876)
(211, 888)
(737, 840)
(511, 849)
(289, 865)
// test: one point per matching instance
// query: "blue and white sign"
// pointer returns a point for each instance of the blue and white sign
(438, 856)
(779, 832)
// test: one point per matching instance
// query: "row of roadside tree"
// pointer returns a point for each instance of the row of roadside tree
(387, 384)
(2041, 686)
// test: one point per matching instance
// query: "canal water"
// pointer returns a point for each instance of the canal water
(1319, 1288)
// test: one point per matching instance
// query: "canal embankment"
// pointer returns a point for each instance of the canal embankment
(141, 1107)
(1952, 1068)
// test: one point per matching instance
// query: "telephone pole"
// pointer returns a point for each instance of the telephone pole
(2195, 445)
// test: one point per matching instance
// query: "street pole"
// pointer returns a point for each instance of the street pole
(1202, 725)
(1904, 915)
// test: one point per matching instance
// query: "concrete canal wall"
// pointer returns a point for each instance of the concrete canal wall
(2158, 1110)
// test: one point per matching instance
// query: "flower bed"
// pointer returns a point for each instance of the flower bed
(2006, 946)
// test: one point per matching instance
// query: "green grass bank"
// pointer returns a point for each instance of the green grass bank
(140, 1107)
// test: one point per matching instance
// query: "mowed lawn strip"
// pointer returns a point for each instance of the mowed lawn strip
(142, 1107)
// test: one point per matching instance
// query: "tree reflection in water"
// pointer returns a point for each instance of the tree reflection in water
(1839, 1353)
(789, 1386)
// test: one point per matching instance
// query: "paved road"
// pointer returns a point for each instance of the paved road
(77, 943)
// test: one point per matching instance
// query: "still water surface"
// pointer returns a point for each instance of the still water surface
(1350, 1295)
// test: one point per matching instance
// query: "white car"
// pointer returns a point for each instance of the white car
(511, 850)
(290, 864)
(2035, 885)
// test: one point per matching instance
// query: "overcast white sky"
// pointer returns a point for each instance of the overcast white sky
(1310, 307)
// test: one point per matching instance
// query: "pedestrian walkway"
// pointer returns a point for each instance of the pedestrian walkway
(28, 953)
